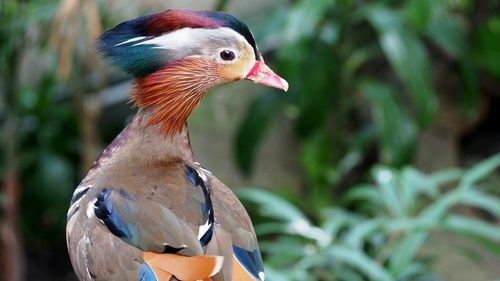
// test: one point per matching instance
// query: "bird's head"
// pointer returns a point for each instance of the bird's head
(177, 55)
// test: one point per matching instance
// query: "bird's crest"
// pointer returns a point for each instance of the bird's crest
(127, 45)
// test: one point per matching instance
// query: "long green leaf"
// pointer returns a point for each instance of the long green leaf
(403, 255)
(483, 201)
(472, 226)
(303, 19)
(487, 44)
(446, 176)
(272, 206)
(360, 261)
(367, 194)
(480, 171)
(386, 183)
(407, 56)
(435, 212)
(334, 220)
(357, 235)
(396, 130)
(449, 34)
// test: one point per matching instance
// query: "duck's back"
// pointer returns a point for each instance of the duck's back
(127, 217)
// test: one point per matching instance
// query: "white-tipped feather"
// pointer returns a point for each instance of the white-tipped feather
(219, 260)
(90, 209)
(203, 229)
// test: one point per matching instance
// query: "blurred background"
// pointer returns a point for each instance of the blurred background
(380, 163)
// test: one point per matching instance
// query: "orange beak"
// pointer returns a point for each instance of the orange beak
(262, 74)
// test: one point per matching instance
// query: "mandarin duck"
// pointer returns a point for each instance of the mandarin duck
(146, 209)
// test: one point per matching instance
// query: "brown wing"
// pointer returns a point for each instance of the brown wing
(126, 212)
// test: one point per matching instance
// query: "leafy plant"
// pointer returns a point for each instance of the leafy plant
(364, 80)
(382, 241)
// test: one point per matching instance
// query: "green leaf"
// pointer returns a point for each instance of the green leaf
(346, 273)
(304, 18)
(435, 212)
(487, 244)
(272, 206)
(403, 255)
(386, 183)
(408, 57)
(334, 220)
(360, 261)
(252, 130)
(315, 90)
(275, 274)
(285, 248)
(446, 176)
(418, 183)
(270, 228)
(356, 236)
(2, 200)
(480, 171)
(483, 201)
(487, 44)
(449, 34)
(472, 226)
(367, 193)
(396, 131)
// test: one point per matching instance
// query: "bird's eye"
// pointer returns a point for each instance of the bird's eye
(227, 55)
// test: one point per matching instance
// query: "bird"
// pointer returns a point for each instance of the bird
(147, 210)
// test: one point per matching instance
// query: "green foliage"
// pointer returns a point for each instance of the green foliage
(383, 241)
(44, 137)
(367, 73)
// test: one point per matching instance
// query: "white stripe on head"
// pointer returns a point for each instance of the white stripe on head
(131, 40)
(198, 38)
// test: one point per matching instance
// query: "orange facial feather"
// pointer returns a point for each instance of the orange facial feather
(174, 91)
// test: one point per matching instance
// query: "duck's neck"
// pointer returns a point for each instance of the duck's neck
(143, 144)
(151, 141)
(159, 130)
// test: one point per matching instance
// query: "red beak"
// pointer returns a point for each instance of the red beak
(261, 73)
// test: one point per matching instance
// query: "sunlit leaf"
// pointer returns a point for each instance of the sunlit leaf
(360, 261)
(439, 208)
(446, 176)
(418, 183)
(480, 171)
(472, 226)
(276, 274)
(357, 235)
(416, 269)
(334, 220)
(483, 201)
(270, 228)
(403, 255)
(386, 183)
(368, 194)
(346, 273)
(271, 205)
